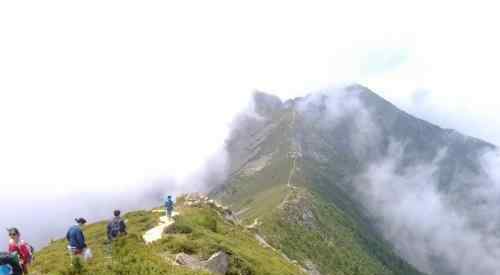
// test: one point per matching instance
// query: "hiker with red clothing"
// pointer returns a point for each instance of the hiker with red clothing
(20, 248)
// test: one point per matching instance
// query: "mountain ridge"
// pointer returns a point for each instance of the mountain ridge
(298, 178)
(328, 139)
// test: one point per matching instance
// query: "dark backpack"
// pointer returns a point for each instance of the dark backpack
(169, 204)
(12, 261)
(115, 228)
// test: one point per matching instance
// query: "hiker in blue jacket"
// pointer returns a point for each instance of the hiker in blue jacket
(76, 239)
(169, 206)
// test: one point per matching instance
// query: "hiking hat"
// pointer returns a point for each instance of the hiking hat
(81, 220)
(13, 231)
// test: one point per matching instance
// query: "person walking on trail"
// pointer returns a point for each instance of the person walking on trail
(76, 241)
(169, 206)
(116, 227)
(9, 264)
(20, 248)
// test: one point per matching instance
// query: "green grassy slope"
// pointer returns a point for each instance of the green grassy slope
(204, 232)
(309, 228)
(314, 220)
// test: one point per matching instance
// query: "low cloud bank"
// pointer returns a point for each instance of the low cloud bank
(423, 225)
(440, 229)
(63, 158)
(131, 162)
(41, 219)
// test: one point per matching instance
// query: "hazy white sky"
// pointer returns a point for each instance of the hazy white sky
(104, 95)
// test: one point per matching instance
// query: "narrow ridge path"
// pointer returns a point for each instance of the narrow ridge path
(294, 154)
(156, 232)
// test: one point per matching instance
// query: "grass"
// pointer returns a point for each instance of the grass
(212, 234)
(328, 228)
(199, 231)
(331, 236)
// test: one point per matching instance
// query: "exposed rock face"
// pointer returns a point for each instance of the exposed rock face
(196, 197)
(200, 200)
(254, 226)
(217, 263)
(311, 268)
(189, 261)
(299, 211)
(265, 104)
(262, 241)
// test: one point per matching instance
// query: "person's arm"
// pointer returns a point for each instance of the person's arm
(123, 227)
(13, 248)
(25, 253)
(109, 231)
(81, 239)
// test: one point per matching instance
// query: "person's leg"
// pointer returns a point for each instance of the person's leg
(25, 268)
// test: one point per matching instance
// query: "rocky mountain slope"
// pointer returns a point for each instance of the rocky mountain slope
(338, 182)
(299, 172)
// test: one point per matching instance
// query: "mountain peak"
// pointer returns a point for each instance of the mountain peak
(298, 172)
(266, 104)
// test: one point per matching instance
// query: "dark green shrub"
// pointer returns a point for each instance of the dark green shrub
(239, 266)
(182, 228)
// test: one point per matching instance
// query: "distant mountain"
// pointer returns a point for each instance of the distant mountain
(337, 182)
(297, 166)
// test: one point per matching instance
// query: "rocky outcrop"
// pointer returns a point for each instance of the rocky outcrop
(254, 226)
(299, 210)
(195, 199)
(188, 261)
(311, 269)
(201, 200)
(218, 263)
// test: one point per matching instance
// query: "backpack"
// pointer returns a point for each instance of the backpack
(115, 228)
(27, 247)
(32, 252)
(169, 204)
(5, 270)
(9, 264)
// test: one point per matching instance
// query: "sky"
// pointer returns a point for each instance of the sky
(102, 97)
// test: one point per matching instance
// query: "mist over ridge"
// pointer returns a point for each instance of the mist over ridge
(397, 165)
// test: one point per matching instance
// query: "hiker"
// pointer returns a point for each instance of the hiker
(9, 264)
(20, 248)
(76, 240)
(169, 206)
(116, 227)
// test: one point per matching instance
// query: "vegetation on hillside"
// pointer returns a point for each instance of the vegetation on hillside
(200, 231)
(300, 195)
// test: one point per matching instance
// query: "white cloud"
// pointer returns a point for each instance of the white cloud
(100, 96)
